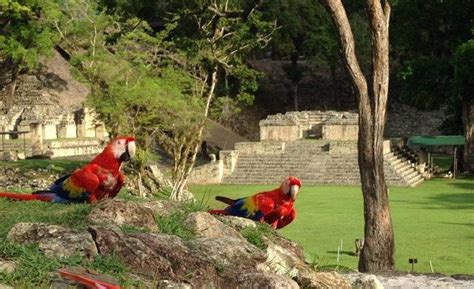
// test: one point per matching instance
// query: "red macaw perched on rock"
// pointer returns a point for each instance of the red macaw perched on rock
(99, 179)
(273, 207)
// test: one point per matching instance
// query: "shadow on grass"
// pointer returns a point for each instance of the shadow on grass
(454, 201)
(465, 185)
(348, 253)
(459, 224)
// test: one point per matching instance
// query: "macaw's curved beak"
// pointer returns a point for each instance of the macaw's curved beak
(294, 191)
(129, 152)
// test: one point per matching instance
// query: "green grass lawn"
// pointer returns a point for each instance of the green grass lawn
(33, 164)
(434, 221)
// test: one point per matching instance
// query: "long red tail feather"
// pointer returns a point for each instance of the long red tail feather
(85, 280)
(26, 197)
(218, 212)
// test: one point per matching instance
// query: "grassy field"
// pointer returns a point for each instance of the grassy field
(33, 164)
(433, 222)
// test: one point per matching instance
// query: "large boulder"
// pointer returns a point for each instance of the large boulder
(205, 225)
(237, 223)
(322, 280)
(7, 266)
(287, 258)
(166, 284)
(54, 241)
(367, 281)
(120, 213)
(158, 256)
(261, 280)
(163, 208)
(228, 252)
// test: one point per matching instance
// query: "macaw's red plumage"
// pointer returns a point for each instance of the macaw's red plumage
(99, 179)
(86, 279)
(273, 207)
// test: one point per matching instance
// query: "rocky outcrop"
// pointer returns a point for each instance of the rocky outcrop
(54, 241)
(157, 256)
(236, 222)
(205, 225)
(228, 252)
(39, 179)
(217, 257)
(120, 213)
(7, 266)
(260, 280)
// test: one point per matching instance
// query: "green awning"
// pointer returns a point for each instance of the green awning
(442, 140)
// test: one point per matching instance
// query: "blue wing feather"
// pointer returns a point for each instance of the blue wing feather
(63, 195)
(239, 209)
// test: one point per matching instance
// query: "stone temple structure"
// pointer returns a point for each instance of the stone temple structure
(46, 115)
(319, 147)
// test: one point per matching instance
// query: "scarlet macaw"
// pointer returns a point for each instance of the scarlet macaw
(99, 179)
(273, 207)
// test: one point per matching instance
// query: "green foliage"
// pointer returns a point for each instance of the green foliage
(463, 67)
(425, 54)
(461, 88)
(256, 235)
(34, 270)
(173, 224)
(14, 212)
(33, 164)
(26, 33)
(425, 82)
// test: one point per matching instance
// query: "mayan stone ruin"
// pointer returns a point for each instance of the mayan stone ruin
(320, 147)
(46, 115)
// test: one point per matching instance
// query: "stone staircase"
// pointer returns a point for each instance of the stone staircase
(313, 163)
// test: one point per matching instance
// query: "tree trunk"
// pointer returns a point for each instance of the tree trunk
(332, 69)
(378, 251)
(468, 123)
(180, 183)
(10, 96)
(295, 79)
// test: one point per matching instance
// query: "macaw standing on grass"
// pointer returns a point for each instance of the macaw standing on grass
(99, 179)
(273, 207)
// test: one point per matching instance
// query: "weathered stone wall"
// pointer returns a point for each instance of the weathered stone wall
(402, 121)
(74, 147)
(330, 125)
(340, 132)
(406, 121)
(48, 105)
(210, 173)
(282, 133)
(264, 147)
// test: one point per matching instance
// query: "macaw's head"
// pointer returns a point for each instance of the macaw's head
(291, 186)
(118, 150)
(123, 148)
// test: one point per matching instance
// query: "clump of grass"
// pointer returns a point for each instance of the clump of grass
(12, 212)
(34, 164)
(256, 236)
(173, 224)
(34, 270)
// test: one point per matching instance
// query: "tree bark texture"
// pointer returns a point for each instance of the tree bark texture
(378, 252)
(468, 123)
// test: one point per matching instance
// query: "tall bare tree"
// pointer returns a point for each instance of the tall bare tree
(377, 253)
